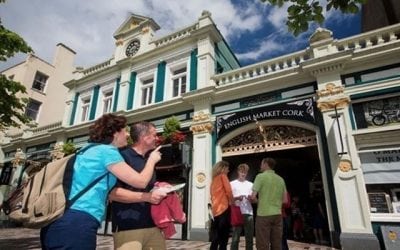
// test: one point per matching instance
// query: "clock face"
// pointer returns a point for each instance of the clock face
(132, 48)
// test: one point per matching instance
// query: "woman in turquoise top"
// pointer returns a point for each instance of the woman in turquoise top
(77, 228)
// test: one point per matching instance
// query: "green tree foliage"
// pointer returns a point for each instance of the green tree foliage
(11, 106)
(302, 12)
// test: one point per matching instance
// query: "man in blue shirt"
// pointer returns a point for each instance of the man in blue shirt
(133, 225)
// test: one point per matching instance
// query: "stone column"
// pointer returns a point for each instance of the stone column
(124, 89)
(349, 185)
(201, 127)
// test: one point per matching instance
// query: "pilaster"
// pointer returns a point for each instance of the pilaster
(124, 89)
(206, 61)
(202, 127)
(68, 110)
(348, 179)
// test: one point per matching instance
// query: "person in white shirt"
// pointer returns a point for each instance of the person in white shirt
(242, 189)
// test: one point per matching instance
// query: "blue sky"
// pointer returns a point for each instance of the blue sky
(255, 31)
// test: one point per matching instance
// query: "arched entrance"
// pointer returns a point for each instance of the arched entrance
(294, 146)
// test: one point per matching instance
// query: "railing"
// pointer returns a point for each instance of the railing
(386, 35)
(35, 131)
(175, 36)
(370, 39)
(262, 69)
(46, 128)
(96, 68)
(15, 136)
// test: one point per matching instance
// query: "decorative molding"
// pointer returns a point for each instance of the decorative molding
(200, 179)
(133, 24)
(19, 158)
(332, 97)
(57, 152)
(327, 69)
(201, 116)
(330, 89)
(145, 30)
(331, 104)
(345, 165)
(201, 123)
(119, 42)
(202, 128)
(271, 138)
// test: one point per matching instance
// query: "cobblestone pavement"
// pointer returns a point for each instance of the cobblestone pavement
(23, 238)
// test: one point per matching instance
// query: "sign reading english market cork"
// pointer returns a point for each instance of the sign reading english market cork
(302, 110)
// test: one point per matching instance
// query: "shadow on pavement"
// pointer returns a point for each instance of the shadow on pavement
(24, 243)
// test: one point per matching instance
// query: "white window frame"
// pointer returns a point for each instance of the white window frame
(84, 109)
(42, 85)
(146, 85)
(30, 110)
(107, 101)
(179, 77)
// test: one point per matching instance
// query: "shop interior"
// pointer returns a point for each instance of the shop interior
(301, 170)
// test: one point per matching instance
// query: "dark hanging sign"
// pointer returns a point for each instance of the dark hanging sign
(302, 110)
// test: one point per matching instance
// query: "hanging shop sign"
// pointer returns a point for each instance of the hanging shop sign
(302, 110)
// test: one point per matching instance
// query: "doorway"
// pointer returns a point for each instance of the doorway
(301, 169)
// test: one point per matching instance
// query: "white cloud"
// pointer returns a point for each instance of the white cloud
(87, 26)
(278, 16)
(262, 49)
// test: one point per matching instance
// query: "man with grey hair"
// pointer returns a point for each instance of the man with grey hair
(133, 226)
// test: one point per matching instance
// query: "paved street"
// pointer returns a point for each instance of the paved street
(22, 238)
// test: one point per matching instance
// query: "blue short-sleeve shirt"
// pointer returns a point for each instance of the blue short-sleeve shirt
(88, 166)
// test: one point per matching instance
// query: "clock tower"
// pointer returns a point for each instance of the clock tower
(134, 37)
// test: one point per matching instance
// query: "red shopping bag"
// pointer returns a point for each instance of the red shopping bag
(236, 216)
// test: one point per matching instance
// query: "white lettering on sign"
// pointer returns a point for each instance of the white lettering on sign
(238, 121)
(292, 112)
(263, 115)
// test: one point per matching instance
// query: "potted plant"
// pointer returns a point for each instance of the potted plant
(172, 134)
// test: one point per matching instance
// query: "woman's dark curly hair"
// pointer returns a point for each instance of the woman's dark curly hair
(104, 128)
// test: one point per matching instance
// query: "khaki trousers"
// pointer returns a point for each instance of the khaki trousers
(140, 239)
(269, 231)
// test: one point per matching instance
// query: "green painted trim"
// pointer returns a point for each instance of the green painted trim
(116, 94)
(213, 147)
(375, 93)
(351, 114)
(277, 94)
(131, 91)
(73, 113)
(329, 175)
(377, 80)
(160, 82)
(93, 106)
(231, 52)
(357, 75)
(224, 57)
(193, 70)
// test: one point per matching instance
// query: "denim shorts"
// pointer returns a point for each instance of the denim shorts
(74, 230)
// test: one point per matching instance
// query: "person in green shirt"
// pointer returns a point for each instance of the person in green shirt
(270, 189)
